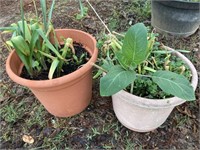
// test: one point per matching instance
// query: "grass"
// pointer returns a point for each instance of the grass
(97, 127)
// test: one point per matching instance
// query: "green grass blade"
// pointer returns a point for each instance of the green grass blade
(8, 29)
(50, 12)
(183, 51)
(55, 39)
(35, 8)
(81, 8)
(83, 11)
(44, 12)
(53, 68)
(22, 16)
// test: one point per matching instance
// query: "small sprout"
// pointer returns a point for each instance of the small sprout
(166, 68)
(83, 11)
(166, 64)
(182, 69)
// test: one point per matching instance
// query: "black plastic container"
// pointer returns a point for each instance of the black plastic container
(175, 17)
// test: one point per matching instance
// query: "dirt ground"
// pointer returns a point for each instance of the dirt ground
(97, 127)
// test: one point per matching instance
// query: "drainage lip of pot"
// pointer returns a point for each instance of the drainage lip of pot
(181, 4)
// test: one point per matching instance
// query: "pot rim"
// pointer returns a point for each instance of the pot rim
(180, 4)
(162, 103)
(60, 80)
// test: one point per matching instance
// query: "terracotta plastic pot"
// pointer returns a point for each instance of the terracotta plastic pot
(175, 17)
(67, 95)
(142, 114)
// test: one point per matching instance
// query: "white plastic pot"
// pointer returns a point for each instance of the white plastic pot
(142, 114)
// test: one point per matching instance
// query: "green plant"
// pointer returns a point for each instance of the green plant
(31, 41)
(11, 113)
(142, 8)
(133, 59)
(83, 11)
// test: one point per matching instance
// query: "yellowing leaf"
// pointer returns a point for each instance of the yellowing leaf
(53, 67)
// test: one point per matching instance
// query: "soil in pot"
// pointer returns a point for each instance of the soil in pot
(67, 68)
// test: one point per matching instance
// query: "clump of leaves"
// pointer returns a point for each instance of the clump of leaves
(134, 63)
(30, 39)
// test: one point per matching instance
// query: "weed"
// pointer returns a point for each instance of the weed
(12, 112)
(83, 11)
(181, 120)
(37, 116)
(129, 145)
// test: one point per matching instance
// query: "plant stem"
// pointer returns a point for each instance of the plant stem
(142, 75)
(118, 34)
(139, 69)
(98, 16)
(98, 67)
(117, 44)
(22, 16)
(132, 85)
(35, 8)
(149, 69)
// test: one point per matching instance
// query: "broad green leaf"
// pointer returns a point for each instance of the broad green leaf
(134, 48)
(53, 67)
(115, 80)
(174, 84)
(21, 45)
(25, 30)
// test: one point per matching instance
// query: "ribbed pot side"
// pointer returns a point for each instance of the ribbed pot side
(142, 114)
(175, 17)
(67, 95)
